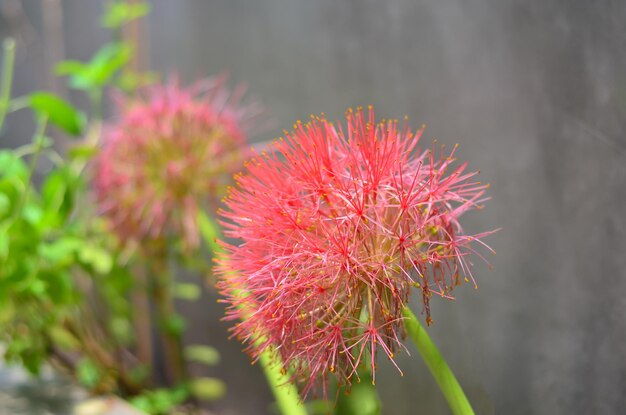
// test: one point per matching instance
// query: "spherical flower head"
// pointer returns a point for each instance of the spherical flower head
(337, 226)
(170, 151)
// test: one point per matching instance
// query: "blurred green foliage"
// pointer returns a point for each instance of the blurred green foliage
(50, 256)
(117, 14)
(68, 290)
(100, 70)
(58, 112)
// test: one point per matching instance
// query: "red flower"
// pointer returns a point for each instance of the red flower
(337, 226)
(171, 151)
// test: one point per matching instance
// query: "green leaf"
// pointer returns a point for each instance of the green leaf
(11, 165)
(109, 60)
(99, 70)
(202, 354)
(32, 214)
(58, 111)
(187, 291)
(60, 251)
(33, 360)
(141, 402)
(69, 67)
(118, 14)
(175, 325)
(139, 373)
(13, 190)
(160, 401)
(88, 373)
(53, 192)
(99, 259)
(63, 338)
(59, 286)
(37, 288)
(208, 389)
(5, 204)
(57, 193)
(121, 329)
(120, 280)
(4, 241)
(83, 152)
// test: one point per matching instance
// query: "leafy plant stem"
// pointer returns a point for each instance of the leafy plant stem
(38, 143)
(92, 349)
(166, 314)
(142, 320)
(7, 77)
(452, 391)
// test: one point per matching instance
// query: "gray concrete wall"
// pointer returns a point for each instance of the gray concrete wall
(534, 92)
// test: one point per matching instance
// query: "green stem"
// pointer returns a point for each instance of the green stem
(7, 77)
(142, 319)
(95, 97)
(171, 336)
(457, 401)
(38, 143)
(285, 392)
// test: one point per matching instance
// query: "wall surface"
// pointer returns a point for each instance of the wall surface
(534, 93)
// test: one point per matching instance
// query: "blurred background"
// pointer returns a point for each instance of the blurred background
(534, 93)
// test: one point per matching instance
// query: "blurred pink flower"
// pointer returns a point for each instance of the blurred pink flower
(171, 151)
(337, 226)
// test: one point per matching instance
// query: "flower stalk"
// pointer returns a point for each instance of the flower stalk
(284, 391)
(7, 77)
(171, 335)
(450, 387)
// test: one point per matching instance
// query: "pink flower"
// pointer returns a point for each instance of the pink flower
(336, 227)
(171, 151)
